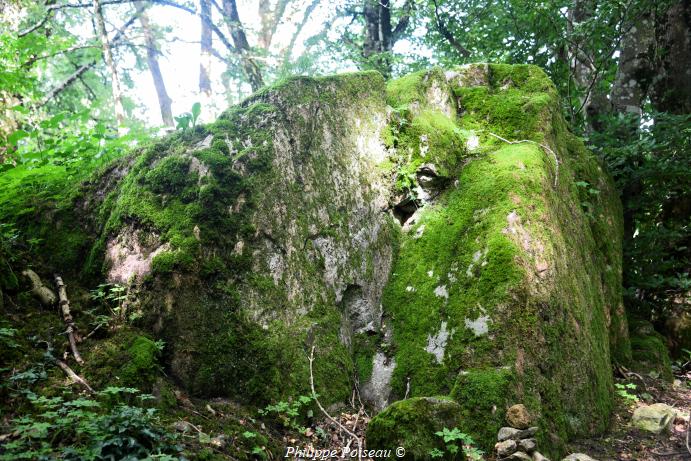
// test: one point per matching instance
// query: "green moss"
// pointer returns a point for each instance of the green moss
(412, 424)
(649, 350)
(126, 359)
(170, 176)
(511, 267)
(411, 91)
(143, 360)
(484, 395)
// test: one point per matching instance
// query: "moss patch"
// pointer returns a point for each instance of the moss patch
(513, 275)
(412, 424)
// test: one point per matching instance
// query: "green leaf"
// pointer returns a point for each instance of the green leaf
(196, 110)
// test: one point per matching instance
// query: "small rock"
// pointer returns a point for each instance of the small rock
(578, 457)
(527, 445)
(654, 418)
(537, 456)
(182, 426)
(517, 416)
(506, 447)
(219, 441)
(506, 433)
(518, 456)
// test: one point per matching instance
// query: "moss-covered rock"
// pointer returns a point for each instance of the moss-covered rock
(506, 287)
(649, 349)
(412, 424)
(442, 234)
(126, 359)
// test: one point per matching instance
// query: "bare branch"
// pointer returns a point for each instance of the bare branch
(86, 67)
(403, 21)
(463, 51)
(67, 317)
(74, 376)
(321, 407)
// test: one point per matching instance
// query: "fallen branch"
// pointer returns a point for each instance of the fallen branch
(688, 428)
(556, 159)
(323, 410)
(67, 317)
(74, 376)
(44, 294)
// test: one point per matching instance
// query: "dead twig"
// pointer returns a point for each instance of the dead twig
(522, 141)
(67, 317)
(631, 373)
(688, 428)
(323, 410)
(74, 376)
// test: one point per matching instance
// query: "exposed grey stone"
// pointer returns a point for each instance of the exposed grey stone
(527, 445)
(506, 447)
(182, 426)
(506, 433)
(578, 457)
(518, 456)
(654, 418)
(378, 388)
(537, 456)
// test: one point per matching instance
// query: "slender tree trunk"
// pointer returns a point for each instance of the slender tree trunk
(249, 66)
(108, 56)
(636, 69)
(206, 44)
(270, 19)
(380, 35)
(671, 91)
(164, 101)
(583, 68)
(627, 95)
(288, 51)
(378, 41)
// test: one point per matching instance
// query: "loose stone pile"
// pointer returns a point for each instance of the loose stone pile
(517, 442)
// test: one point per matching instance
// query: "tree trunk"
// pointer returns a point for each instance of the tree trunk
(288, 51)
(593, 102)
(110, 62)
(378, 35)
(206, 43)
(249, 67)
(627, 95)
(636, 70)
(671, 91)
(164, 101)
(270, 18)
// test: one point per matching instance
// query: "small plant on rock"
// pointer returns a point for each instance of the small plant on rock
(451, 439)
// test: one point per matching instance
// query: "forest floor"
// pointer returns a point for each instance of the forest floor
(623, 442)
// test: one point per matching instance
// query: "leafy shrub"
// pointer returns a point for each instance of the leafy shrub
(99, 428)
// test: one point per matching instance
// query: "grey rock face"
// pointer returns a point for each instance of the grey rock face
(506, 448)
(527, 445)
(506, 433)
(654, 418)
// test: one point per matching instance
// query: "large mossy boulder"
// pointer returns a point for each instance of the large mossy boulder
(413, 425)
(439, 234)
